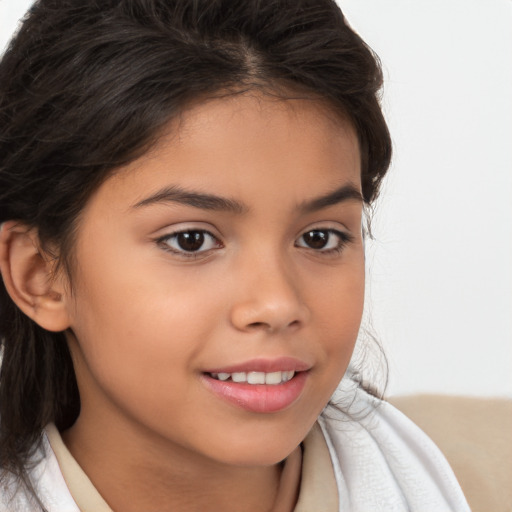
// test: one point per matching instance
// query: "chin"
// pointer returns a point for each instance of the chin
(264, 450)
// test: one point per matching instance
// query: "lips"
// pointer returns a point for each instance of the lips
(260, 386)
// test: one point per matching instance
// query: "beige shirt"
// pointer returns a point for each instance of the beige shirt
(308, 469)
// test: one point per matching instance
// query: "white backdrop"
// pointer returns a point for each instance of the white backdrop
(441, 280)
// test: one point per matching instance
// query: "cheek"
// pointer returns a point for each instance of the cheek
(135, 330)
(339, 303)
(338, 314)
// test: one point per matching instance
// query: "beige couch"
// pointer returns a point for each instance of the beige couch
(475, 435)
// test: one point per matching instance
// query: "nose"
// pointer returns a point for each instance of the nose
(268, 299)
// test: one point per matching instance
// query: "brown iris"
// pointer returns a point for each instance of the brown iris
(316, 239)
(190, 240)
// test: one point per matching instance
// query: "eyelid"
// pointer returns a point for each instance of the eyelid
(331, 226)
(163, 239)
(344, 238)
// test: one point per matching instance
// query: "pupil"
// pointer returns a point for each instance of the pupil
(191, 240)
(316, 239)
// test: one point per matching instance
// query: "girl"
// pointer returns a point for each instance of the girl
(182, 188)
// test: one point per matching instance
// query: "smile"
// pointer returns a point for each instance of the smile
(257, 392)
(272, 378)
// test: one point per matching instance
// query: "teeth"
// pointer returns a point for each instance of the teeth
(288, 376)
(272, 378)
(256, 378)
(239, 377)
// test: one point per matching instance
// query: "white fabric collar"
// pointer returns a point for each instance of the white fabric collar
(383, 461)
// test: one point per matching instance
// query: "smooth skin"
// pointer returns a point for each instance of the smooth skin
(270, 271)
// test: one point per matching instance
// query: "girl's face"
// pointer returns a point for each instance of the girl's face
(230, 252)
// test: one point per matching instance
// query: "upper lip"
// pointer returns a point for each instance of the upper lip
(281, 364)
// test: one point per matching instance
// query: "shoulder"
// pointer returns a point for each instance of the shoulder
(48, 483)
(382, 460)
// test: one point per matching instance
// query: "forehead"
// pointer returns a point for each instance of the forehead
(247, 145)
(243, 120)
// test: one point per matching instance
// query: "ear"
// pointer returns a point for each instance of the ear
(28, 275)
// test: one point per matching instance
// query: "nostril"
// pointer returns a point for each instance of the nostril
(269, 313)
(269, 327)
(259, 325)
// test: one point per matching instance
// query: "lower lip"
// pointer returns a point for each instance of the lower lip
(261, 398)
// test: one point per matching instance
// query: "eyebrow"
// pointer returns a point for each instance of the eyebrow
(177, 194)
(348, 192)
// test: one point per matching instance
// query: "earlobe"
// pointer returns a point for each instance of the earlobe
(28, 275)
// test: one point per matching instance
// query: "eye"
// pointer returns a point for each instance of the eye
(324, 240)
(189, 242)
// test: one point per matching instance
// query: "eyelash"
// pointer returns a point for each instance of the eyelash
(164, 243)
(343, 240)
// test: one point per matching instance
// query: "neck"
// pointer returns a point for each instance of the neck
(155, 475)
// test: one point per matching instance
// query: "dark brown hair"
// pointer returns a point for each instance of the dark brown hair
(87, 85)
